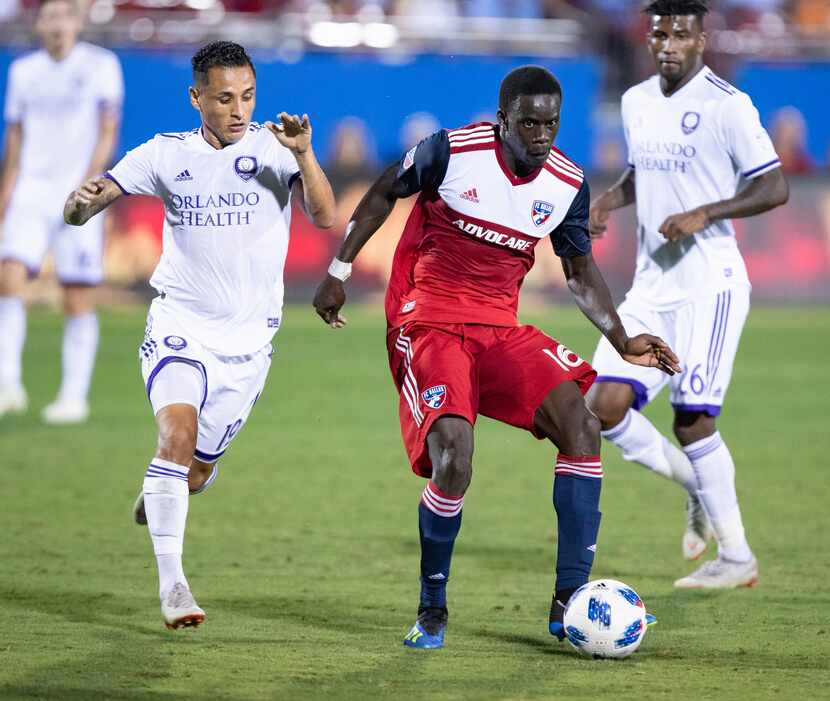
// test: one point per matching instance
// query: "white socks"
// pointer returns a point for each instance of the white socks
(80, 343)
(715, 472)
(12, 337)
(641, 442)
(165, 503)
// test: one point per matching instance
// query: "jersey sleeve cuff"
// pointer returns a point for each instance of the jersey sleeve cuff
(293, 179)
(110, 176)
(760, 170)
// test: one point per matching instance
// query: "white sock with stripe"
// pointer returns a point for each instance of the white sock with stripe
(715, 472)
(642, 443)
(165, 503)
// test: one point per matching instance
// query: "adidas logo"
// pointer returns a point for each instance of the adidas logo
(437, 576)
(184, 175)
(471, 195)
(592, 548)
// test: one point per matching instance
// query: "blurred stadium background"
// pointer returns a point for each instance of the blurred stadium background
(377, 76)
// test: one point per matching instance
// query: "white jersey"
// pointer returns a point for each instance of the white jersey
(58, 104)
(227, 213)
(689, 149)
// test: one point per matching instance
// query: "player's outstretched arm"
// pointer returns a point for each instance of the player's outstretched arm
(95, 195)
(620, 194)
(11, 164)
(763, 193)
(312, 188)
(592, 296)
(368, 217)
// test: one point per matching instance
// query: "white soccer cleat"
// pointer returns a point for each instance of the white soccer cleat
(139, 514)
(180, 609)
(721, 574)
(65, 411)
(13, 400)
(698, 529)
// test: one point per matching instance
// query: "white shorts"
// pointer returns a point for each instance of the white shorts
(34, 225)
(704, 334)
(229, 387)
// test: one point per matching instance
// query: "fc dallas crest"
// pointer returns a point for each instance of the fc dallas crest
(541, 212)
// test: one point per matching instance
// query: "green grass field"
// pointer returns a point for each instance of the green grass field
(305, 552)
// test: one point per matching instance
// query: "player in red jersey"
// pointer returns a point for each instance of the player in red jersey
(488, 194)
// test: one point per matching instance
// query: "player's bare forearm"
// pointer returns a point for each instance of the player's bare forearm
(90, 198)
(11, 164)
(591, 294)
(104, 146)
(620, 194)
(368, 217)
(763, 193)
(370, 213)
(318, 197)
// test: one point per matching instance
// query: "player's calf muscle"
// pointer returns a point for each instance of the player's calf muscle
(177, 433)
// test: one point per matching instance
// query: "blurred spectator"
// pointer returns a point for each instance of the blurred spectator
(789, 135)
(812, 16)
(352, 160)
(417, 127)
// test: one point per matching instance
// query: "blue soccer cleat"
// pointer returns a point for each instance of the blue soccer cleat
(651, 619)
(428, 631)
(556, 624)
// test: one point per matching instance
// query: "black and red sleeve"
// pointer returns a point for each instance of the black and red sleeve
(571, 238)
(424, 166)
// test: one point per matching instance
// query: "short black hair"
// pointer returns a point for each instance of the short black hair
(666, 8)
(527, 80)
(225, 54)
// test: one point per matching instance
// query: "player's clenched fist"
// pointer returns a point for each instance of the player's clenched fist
(329, 300)
(598, 220)
(292, 132)
(95, 194)
(678, 226)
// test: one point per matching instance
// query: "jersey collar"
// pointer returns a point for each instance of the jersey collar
(203, 145)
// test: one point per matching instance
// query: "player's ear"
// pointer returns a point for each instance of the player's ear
(701, 41)
(194, 97)
(502, 120)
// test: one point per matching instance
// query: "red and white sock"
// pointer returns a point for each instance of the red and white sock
(440, 503)
(579, 466)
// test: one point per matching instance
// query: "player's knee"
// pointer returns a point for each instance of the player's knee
(77, 300)
(13, 276)
(690, 427)
(610, 402)
(451, 451)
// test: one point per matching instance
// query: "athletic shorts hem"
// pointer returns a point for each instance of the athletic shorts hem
(640, 390)
(164, 362)
(207, 457)
(710, 409)
(31, 271)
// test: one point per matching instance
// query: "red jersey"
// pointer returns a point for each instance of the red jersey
(470, 239)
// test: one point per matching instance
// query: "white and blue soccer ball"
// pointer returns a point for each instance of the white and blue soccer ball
(605, 618)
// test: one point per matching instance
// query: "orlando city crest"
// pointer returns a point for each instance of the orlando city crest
(541, 212)
(689, 122)
(245, 167)
(434, 396)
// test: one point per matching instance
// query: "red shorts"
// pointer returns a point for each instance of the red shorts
(503, 372)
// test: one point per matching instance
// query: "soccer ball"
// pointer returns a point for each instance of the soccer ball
(605, 618)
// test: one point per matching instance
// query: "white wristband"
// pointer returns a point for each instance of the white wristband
(340, 270)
